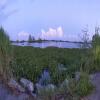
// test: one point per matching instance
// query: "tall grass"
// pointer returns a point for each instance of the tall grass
(29, 62)
(84, 86)
(5, 55)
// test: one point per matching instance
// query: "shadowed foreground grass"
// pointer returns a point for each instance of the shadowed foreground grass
(5, 55)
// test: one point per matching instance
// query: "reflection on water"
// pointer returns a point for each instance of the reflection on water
(50, 44)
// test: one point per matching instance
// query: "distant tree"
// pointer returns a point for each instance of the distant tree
(30, 39)
(39, 39)
(85, 38)
(33, 38)
(22, 41)
(17, 41)
(96, 48)
(96, 37)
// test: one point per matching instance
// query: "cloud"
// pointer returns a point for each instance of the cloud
(23, 35)
(52, 33)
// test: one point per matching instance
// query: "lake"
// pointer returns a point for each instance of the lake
(50, 44)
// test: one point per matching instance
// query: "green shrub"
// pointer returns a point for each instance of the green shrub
(96, 49)
(84, 86)
(95, 59)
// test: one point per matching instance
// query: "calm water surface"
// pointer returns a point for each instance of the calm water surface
(50, 44)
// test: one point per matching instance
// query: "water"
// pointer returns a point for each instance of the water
(50, 44)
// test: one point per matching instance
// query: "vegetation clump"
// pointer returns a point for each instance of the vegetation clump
(84, 86)
(29, 62)
(5, 55)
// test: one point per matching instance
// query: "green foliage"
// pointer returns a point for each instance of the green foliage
(64, 86)
(85, 38)
(72, 89)
(96, 38)
(29, 62)
(96, 58)
(47, 93)
(5, 54)
(84, 86)
(86, 63)
(97, 53)
(96, 49)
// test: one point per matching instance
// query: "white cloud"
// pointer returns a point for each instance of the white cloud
(23, 35)
(60, 31)
(52, 33)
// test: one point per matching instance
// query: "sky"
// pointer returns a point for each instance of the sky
(49, 19)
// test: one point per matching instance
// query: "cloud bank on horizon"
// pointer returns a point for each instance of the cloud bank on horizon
(49, 35)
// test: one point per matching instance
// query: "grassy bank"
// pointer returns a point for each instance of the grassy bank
(29, 62)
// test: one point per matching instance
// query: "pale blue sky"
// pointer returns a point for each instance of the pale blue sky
(32, 16)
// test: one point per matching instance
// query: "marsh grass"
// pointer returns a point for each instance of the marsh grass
(84, 86)
(29, 62)
(5, 55)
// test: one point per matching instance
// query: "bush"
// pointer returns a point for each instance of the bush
(84, 86)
